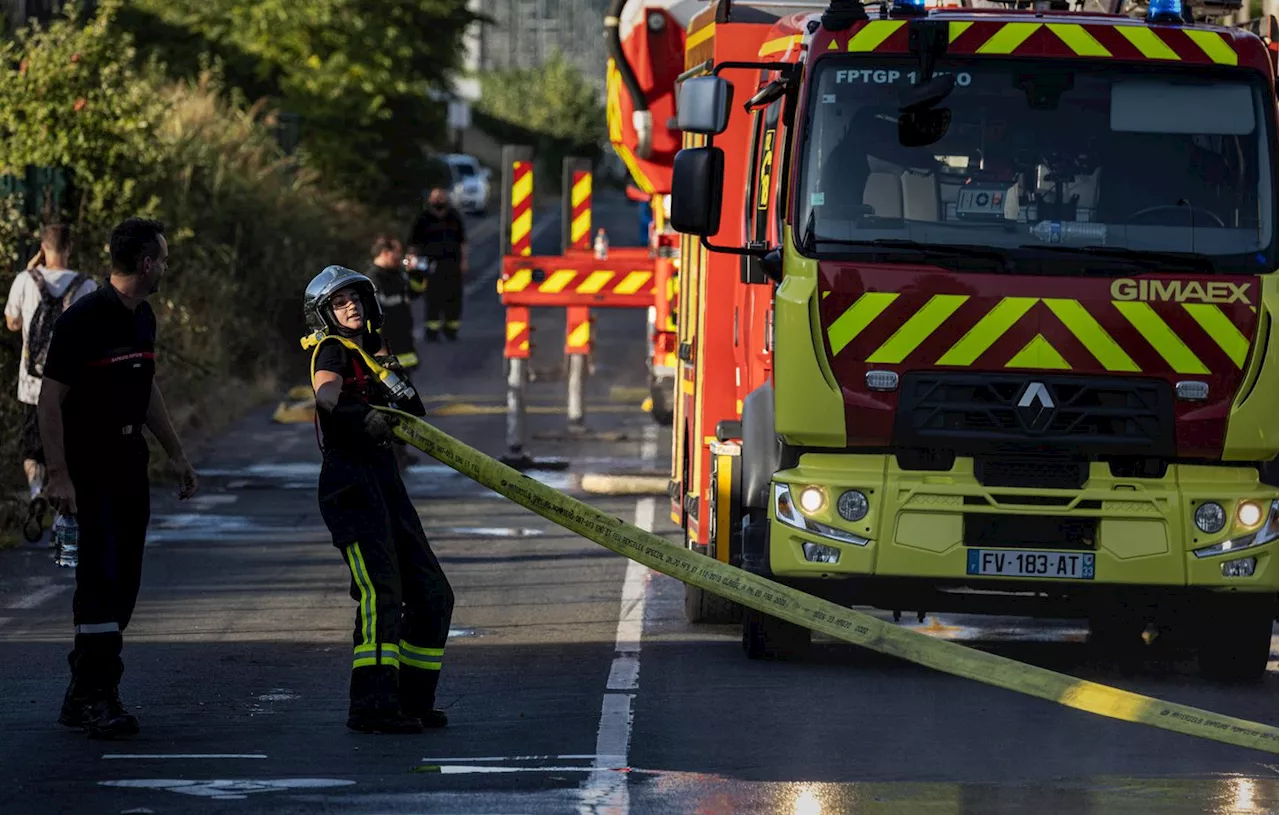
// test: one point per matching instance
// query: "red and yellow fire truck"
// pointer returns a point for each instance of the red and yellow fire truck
(992, 326)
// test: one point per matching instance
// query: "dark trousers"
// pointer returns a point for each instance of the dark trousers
(444, 300)
(113, 511)
(404, 602)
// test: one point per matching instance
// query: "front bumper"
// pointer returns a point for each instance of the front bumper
(915, 527)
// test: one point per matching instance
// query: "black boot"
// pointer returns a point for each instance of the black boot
(73, 704)
(418, 696)
(104, 716)
(375, 705)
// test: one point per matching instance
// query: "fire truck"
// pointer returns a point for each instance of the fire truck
(646, 42)
(992, 326)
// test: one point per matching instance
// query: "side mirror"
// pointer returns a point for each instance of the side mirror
(697, 187)
(922, 97)
(703, 106)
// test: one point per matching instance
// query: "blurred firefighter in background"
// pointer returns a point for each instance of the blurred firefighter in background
(439, 234)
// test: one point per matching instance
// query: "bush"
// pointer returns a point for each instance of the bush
(247, 226)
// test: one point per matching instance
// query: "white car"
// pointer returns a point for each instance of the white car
(470, 191)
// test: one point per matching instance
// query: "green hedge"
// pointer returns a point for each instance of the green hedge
(247, 226)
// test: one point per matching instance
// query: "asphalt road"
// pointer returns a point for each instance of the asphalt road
(572, 682)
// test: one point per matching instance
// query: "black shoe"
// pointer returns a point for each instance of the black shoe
(394, 723)
(432, 336)
(432, 719)
(73, 705)
(106, 718)
(451, 336)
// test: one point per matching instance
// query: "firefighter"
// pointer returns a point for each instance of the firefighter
(405, 603)
(439, 233)
(388, 274)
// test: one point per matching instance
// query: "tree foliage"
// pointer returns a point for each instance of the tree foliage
(554, 101)
(247, 226)
(359, 72)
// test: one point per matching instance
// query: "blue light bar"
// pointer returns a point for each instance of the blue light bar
(910, 6)
(1164, 11)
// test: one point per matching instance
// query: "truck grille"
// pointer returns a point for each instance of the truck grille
(1002, 414)
(1029, 531)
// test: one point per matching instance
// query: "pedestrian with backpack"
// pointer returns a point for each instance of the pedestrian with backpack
(36, 300)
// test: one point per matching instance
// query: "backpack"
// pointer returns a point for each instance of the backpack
(47, 313)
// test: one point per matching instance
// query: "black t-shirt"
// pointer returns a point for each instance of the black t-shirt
(357, 380)
(106, 355)
(440, 237)
(392, 284)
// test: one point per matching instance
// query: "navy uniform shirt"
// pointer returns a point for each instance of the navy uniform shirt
(439, 236)
(106, 355)
(358, 381)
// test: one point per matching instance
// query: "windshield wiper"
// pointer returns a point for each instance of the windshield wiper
(936, 250)
(1148, 260)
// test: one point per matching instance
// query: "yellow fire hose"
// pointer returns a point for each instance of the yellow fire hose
(820, 615)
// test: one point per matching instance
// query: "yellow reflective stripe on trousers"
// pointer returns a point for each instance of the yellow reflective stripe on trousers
(427, 659)
(367, 656)
(368, 597)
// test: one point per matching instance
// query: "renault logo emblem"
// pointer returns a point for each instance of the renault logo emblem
(1035, 406)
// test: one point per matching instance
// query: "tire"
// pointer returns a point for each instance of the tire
(701, 606)
(765, 637)
(662, 390)
(1235, 650)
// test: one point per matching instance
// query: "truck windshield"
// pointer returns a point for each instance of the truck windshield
(1045, 162)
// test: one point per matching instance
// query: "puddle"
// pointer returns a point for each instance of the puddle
(494, 531)
(278, 695)
(202, 527)
(456, 633)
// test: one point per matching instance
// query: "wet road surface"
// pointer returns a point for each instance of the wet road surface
(572, 682)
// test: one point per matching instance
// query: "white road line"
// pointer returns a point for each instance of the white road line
(38, 596)
(580, 757)
(606, 790)
(152, 756)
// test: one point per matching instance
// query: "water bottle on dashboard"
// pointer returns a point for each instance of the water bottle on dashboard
(1070, 232)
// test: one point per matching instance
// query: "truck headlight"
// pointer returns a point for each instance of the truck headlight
(1267, 533)
(812, 499)
(1210, 517)
(789, 513)
(1248, 514)
(853, 505)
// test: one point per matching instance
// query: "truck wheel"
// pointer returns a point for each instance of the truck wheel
(662, 390)
(701, 606)
(765, 637)
(1235, 650)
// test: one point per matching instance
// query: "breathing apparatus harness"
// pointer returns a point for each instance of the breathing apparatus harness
(354, 413)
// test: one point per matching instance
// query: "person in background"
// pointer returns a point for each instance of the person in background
(36, 300)
(388, 275)
(99, 391)
(439, 233)
(395, 296)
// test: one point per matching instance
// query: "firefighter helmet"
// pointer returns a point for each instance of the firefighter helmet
(315, 302)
